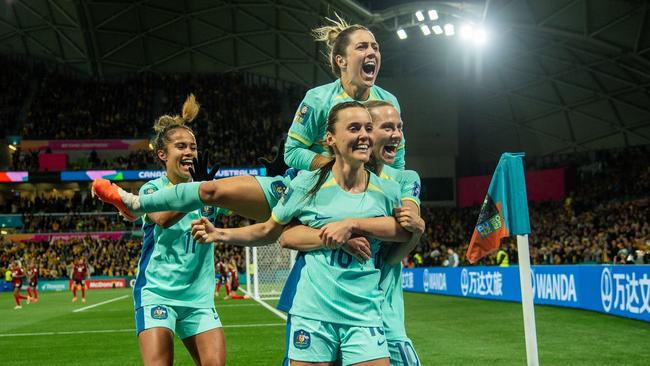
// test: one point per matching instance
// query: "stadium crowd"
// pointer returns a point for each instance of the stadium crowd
(106, 256)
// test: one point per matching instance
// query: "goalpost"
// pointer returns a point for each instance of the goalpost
(267, 269)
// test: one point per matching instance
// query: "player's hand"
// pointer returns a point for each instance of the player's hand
(199, 169)
(358, 247)
(409, 219)
(336, 234)
(276, 166)
(204, 231)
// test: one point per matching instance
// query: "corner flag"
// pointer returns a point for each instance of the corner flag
(505, 209)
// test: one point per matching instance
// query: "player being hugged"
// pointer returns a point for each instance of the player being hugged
(32, 278)
(17, 275)
(78, 277)
(336, 303)
(174, 288)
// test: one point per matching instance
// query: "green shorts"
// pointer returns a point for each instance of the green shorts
(274, 188)
(402, 353)
(312, 340)
(184, 321)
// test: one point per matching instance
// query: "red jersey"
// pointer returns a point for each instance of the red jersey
(221, 268)
(79, 272)
(32, 274)
(234, 279)
(17, 275)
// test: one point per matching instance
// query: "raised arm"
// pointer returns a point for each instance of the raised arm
(409, 218)
(260, 234)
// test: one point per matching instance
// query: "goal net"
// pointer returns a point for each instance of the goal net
(267, 269)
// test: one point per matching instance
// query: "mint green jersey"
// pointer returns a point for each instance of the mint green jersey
(173, 268)
(391, 274)
(330, 285)
(306, 136)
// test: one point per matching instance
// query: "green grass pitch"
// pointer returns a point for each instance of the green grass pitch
(444, 330)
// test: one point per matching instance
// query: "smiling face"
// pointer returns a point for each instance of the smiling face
(178, 154)
(387, 133)
(351, 139)
(361, 62)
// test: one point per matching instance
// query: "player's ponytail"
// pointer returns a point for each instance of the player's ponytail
(337, 38)
(166, 124)
(332, 118)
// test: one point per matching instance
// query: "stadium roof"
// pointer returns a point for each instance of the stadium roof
(555, 76)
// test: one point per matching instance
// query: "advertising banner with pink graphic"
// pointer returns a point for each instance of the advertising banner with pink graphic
(84, 145)
(13, 177)
(541, 185)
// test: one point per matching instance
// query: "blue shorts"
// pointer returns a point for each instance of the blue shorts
(312, 340)
(184, 321)
(402, 353)
(274, 188)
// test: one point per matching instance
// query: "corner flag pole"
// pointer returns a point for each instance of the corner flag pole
(530, 330)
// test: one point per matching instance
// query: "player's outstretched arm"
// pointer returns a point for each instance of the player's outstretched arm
(260, 234)
(382, 228)
(409, 218)
(305, 239)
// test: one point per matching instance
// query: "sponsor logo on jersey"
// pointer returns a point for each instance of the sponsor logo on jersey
(302, 112)
(301, 339)
(159, 312)
(416, 189)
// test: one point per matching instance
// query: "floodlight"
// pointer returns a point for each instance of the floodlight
(437, 29)
(433, 15)
(419, 15)
(401, 33)
(425, 29)
(449, 29)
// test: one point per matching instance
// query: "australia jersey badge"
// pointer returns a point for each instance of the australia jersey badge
(159, 313)
(207, 211)
(301, 339)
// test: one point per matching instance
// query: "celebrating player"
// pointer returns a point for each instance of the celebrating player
(79, 275)
(355, 59)
(173, 291)
(336, 308)
(17, 274)
(32, 277)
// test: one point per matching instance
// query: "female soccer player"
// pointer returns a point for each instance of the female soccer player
(174, 287)
(32, 277)
(387, 132)
(355, 59)
(336, 308)
(17, 274)
(79, 275)
(233, 282)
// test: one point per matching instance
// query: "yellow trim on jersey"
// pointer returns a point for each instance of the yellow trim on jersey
(276, 219)
(372, 187)
(329, 183)
(401, 146)
(384, 176)
(411, 199)
(372, 95)
(299, 138)
(343, 95)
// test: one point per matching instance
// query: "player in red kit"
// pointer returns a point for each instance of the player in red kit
(79, 274)
(233, 280)
(220, 266)
(17, 275)
(32, 277)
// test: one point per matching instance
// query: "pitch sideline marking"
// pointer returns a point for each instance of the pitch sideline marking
(100, 303)
(269, 307)
(127, 330)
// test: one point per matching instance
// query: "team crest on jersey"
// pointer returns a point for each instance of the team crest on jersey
(207, 211)
(302, 112)
(301, 339)
(159, 312)
(279, 189)
(150, 190)
(416, 189)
